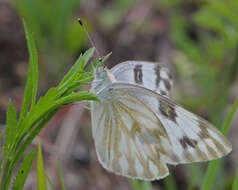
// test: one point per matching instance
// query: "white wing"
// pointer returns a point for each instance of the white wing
(147, 74)
(138, 132)
(192, 138)
(120, 131)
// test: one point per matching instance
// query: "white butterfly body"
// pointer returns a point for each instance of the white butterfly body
(138, 130)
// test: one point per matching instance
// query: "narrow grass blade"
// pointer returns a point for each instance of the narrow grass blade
(23, 171)
(170, 183)
(235, 181)
(226, 125)
(0, 145)
(212, 167)
(60, 171)
(146, 185)
(41, 177)
(195, 176)
(140, 185)
(50, 182)
(136, 184)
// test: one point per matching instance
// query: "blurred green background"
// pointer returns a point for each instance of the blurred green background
(196, 40)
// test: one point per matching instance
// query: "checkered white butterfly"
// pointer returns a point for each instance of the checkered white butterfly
(138, 130)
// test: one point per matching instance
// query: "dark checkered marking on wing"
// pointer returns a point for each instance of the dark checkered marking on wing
(167, 84)
(157, 73)
(204, 134)
(159, 79)
(185, 142)
(167, 111)
(138, 74)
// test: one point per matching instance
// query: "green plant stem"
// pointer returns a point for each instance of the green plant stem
(235, 181)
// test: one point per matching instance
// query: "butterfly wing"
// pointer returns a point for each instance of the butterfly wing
(147, 74)
(119, 130)
(192, 138)
(138, 132)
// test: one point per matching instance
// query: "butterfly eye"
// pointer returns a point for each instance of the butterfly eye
(101, 75)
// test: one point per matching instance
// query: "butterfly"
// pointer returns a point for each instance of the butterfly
(138, 130)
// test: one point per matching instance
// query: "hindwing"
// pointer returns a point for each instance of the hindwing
(138, 132)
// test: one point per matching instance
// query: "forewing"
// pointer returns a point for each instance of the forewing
(128, 138)
(191, 138)
(147, 74)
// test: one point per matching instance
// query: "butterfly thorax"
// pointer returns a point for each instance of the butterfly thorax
(102, 85)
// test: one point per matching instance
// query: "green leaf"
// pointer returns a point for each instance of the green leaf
(38, 111)
(235, 181)
(222, 9)
(61, 175)
(29, 98)
(213, 165)
(23, 171)
(32, 134)
(43, 105)
(33, 60)
(79, 96)
(104, 58)
(97, 63)
(76, 85)
(41, 177)
(86, 57)
(10, 132)
(11, 129)
(209, 20)
(48, 114)
(30, 124)
(48, 103)
(76, 68)
(32, 76)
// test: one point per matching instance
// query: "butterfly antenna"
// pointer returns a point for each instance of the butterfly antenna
(90, 39)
